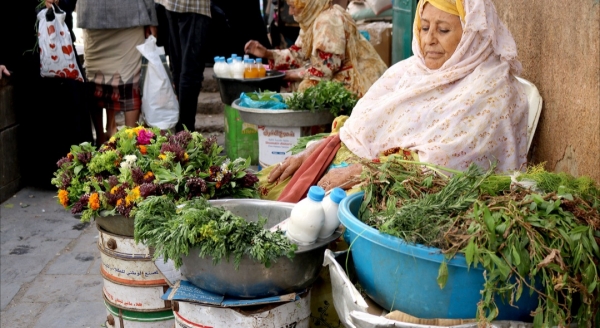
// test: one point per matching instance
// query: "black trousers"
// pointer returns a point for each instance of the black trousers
(188, 51)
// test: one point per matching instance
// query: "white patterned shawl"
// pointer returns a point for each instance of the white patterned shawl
(472, 109)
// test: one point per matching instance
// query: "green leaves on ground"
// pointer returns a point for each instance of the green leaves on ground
(173, 229)
(326, 95)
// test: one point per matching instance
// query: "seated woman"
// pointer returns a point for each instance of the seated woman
(329, 47)
(456, 101)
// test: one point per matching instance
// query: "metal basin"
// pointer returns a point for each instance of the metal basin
(252, 279)
(282, 117)
(230, 89)
(116, 224)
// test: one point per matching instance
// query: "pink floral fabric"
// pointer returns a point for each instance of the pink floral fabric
(337, 52)
(472, 109)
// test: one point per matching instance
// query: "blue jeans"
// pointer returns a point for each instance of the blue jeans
(188, 51)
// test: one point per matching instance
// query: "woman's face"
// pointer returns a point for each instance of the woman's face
(440, 34)
(292, 8)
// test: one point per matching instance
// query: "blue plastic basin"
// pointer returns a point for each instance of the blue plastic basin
(400, 276)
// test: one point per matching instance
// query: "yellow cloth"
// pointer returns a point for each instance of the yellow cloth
(453, 7)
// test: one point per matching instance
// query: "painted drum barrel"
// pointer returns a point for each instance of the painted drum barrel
(119, 318)
(131, 279)
(291, 314)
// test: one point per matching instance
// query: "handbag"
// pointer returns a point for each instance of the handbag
(160, 107)
(57, 54)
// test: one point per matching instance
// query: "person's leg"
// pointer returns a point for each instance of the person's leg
(131, 118)
(193, 33)
(111, 123)
(174, 46)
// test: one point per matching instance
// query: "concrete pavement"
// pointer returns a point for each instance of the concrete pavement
(50, 265)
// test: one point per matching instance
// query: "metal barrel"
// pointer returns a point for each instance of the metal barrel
(119, 318)
(133, 286)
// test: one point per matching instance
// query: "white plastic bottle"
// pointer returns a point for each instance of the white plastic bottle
(307, 218)
(331, 204)
(217, 67)
(224, 67)
(238, 68)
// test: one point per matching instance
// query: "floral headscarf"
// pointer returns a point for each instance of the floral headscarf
(471, 109)
(309, 11)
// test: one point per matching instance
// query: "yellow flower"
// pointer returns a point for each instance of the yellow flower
(133, 195)
(94, 201)
(119, 201)
(63, 197)
(137, 130)
(114, 189)
(112, 139)
(162, 156)
(186, 156)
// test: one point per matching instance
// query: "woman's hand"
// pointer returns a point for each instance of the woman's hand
(291, 164)
(286, 168)
(50, 2)
(254, 48)
(150, 30)
(344, 177)
(294, 75)
(3, 71)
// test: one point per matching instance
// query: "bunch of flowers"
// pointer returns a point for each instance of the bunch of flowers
(140, 162)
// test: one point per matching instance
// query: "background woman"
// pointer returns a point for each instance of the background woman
(329, 47)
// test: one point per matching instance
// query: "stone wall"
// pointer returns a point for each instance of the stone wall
(559, 47)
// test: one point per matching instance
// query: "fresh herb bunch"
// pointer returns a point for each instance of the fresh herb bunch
(173, 229)
(140, 162)
(326, 95)
(544, 239)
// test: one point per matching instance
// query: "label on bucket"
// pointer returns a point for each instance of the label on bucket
(274, 143)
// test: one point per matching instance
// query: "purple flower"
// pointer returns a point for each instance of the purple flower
(144, 137)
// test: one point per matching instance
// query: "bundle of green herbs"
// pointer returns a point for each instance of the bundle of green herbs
(326, 95)
(542, 238)
(172, 229)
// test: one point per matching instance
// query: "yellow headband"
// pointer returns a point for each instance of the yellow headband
(453, 7)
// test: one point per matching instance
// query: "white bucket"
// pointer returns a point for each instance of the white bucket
(131, 279)
(293, 314)
(274, 143)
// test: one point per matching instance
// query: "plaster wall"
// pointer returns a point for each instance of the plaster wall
(559, 46)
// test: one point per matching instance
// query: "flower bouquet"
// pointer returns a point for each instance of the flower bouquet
(140, 162)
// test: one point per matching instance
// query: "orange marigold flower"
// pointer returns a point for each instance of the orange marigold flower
(119, 201)
(148, 175)
(143, 149)
(70, 156)
(94, 201)
(63, 197)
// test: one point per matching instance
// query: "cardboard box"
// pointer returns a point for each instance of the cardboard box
(380, 36)
(274, 143)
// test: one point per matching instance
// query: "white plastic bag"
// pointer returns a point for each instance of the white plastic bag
(159, 103)
(57, 54)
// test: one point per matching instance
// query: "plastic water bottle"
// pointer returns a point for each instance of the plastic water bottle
(307, 218)
(262, 72)
(330, 206)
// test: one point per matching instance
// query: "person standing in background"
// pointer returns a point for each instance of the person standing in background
(111, 31)
(189, 23)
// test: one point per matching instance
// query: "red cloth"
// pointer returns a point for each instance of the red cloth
(311, 170)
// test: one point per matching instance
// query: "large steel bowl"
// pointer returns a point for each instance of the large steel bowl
(252, 279)
(283, 117)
